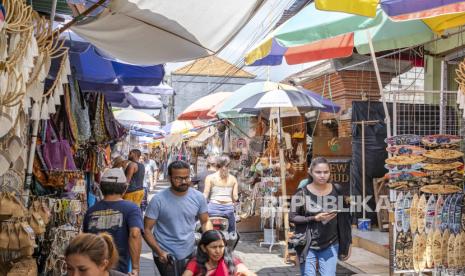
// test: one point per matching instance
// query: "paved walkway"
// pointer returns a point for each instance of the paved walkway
(256, 258)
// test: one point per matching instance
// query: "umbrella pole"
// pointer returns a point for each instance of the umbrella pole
(363, 168)
(283, 187)
(380, 84)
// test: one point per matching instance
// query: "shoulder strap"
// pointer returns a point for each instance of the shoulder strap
(304, 192)
(338, 189)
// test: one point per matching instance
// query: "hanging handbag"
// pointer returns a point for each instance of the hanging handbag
(115, 130)
(57, 154)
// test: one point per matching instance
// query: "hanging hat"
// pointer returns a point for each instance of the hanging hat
(15, 148)
(19, 165)
(6, 123)
(4, 162)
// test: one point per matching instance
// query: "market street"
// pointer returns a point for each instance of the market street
(219, 137)
(258, 259)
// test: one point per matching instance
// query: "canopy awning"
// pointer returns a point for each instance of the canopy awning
(159, 31)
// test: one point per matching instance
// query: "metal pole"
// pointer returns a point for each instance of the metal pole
(32, 152)
(394, 113)
(363, 168)
(82, 15)
(283, 187)
(442, 98)
(380, 84)
(53, 12)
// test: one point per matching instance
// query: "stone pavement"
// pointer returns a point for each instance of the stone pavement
(257, 259)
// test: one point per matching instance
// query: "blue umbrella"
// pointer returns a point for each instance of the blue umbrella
(90, 66)
(329, 106)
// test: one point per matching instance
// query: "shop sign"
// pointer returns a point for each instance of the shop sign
(340, 172)
(332, 146)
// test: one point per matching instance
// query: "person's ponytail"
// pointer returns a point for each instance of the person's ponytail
(97, 247)
(113, 255)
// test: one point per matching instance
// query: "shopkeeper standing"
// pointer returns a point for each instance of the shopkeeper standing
(135, 174)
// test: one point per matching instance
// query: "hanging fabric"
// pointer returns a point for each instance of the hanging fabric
(79, 111)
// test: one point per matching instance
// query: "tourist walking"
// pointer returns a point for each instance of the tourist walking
(221, 191)
(135, 173)
(120, 218)
(170, 219)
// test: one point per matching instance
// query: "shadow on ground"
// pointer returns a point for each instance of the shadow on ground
(288, 271)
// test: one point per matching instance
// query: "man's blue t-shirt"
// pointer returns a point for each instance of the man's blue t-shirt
(116, 218)
(175, 220)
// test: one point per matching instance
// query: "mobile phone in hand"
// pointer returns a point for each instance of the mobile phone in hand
(334, 211)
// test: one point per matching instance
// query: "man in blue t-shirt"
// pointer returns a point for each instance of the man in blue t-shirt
(120, 218)
(171, 215)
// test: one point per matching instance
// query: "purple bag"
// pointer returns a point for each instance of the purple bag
(57, 152)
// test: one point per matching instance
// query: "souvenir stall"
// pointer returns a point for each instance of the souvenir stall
(206, 143)
(73, 150)
(426, 174)
(26, 50)
(70, 134)
(426, 181)
(253, 146)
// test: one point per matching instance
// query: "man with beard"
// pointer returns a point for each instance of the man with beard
(170, 218)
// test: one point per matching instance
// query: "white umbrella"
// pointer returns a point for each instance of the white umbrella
(148, 32)
(131, 117)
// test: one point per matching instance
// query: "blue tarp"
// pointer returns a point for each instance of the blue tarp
(91, 67)
(97, 73)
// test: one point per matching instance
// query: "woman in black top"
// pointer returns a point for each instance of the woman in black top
(319, 211)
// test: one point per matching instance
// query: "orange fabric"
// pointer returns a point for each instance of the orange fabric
(449, 9)
(336, 47)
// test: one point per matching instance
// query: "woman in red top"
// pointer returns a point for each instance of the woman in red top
(214, 259)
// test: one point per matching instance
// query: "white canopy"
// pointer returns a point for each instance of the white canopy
(146, 32)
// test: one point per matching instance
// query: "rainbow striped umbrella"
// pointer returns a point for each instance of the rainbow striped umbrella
(396, 9)
(313, 35)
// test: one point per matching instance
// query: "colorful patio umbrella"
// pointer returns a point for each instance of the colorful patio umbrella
(393, 8)
(228, 110)
(131, 117)
(204, 108)
(303, 39)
